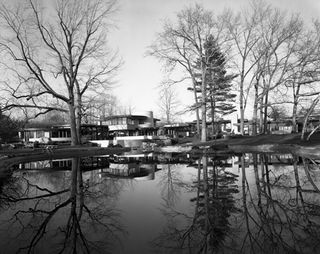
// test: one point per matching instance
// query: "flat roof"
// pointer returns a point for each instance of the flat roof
(62, 126)
(128, 116)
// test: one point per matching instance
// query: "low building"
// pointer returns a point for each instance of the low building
(283, 126)
(131, 124)
(62, 133)
(131, 130)
(178, 130)
(280, 127)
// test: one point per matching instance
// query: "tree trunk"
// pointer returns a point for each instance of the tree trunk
(296, 92)
(255, 111)
(203, 108)
(310, 110)
(261, 116)
(197, 108)
(294, 116)
(73, 125)
(78, 117)
(212, 105)
(265, 117)
(241, 110)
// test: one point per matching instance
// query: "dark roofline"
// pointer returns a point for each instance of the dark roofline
(128, 116)
(121, 116)
(209, 122)
(50, 127)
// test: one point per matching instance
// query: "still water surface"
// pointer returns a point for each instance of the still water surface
(162, 204)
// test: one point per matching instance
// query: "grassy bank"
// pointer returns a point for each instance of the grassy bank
(292, 139)
(289, 143)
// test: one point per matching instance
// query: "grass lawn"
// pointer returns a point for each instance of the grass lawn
(294, 139)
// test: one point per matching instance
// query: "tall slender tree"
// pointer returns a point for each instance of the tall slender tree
(168, 102)
(244, 32)
(219, 98)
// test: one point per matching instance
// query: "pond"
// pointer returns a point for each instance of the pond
(165, 203)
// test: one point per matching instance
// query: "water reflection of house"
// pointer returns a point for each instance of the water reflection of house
(269, 159)
(130, 170)
(86, 163)
(128, 167)
(140, 166)
(62, 133)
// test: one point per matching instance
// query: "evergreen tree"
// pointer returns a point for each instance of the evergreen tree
(8, 128)
(219, 97)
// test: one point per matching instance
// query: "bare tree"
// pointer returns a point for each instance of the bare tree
(272, 54)
(181, 46)
(97, 107)
(304, 70)
(168, 102)
(281, 36)
(244, 31)
(59, 53)
(306, 118)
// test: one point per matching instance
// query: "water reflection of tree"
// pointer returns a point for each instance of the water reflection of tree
(281, 213)
(74, 219)
(8, 190)
(203, 230)
(170, 184)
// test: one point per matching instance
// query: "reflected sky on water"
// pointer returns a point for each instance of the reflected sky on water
(250, 203)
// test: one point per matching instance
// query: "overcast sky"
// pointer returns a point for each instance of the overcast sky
(138, 21)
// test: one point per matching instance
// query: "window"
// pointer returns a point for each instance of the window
(64, 133)
(39, 134)
(131, 121)
(30, 134)
(55, 134)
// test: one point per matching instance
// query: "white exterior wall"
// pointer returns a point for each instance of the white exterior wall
(126, 141)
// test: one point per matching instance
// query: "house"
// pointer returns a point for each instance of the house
(282, 126)
(178, 130)
(131, 124)
(62, 133)
(221, 125)
(131, 130)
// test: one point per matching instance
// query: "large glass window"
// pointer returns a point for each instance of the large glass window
(39, 134)
(30, 134)
(55, 134)
(64, 134)
(131, 121)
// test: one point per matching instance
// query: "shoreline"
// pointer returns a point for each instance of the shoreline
(290, 143)
(25, 155)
